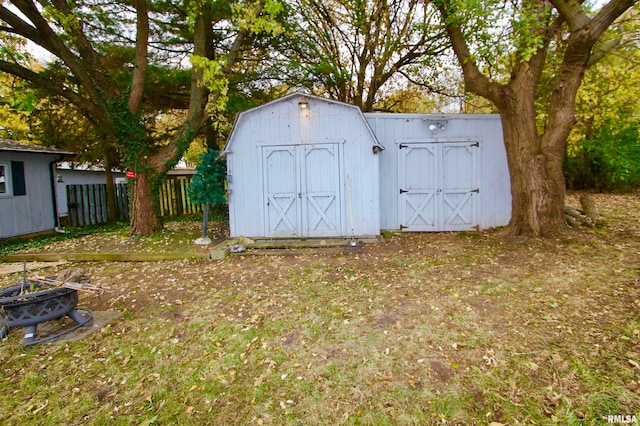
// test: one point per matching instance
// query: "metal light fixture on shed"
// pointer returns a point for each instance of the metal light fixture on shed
(437, 126)
(304, 103)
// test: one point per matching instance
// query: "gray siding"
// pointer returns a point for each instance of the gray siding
(287, 167)
(347, 141)
(32, 212)
(492, 177)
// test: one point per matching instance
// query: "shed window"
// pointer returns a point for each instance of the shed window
(4, 179)
(17, 176)
(12, 179)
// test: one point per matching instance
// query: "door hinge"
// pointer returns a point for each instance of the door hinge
(476, 144)
(477, 190)
(402, 191)
(403, 145)
(403, 227)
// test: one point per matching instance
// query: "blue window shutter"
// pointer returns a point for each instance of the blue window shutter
(17, 176)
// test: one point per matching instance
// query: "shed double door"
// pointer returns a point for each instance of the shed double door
(438, 186)
(302, 190)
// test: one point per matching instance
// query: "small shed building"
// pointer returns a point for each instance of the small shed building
(442, 172)
(303, 166)
(27, 188)
(306, 166)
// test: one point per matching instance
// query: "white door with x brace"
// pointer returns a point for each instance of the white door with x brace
(438, 186)
(302, 190)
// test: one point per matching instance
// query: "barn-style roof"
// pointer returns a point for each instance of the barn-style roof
(15, 146)
(308, 97)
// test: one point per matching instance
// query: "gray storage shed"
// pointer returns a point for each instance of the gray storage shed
(27, 188)
(442, 172)
(305, 166)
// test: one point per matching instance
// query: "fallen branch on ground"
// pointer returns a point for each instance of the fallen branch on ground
(75, 285)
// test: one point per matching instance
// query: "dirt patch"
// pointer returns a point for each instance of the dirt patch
(442, 372)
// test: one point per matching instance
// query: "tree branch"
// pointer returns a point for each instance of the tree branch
(140, 62)
(94, 113)
(572, 13)
(196, 117)
(474, 80)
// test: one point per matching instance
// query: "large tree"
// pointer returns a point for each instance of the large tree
(527, 30)
(352, 50)
(80, 34)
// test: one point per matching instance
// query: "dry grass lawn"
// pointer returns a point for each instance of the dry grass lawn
(424, 329)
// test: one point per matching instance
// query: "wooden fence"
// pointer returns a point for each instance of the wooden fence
(87, 204)
(174, 198)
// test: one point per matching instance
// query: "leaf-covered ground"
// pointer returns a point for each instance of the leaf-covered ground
(447, 328)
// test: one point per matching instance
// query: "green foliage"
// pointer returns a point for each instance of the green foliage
(69, 22)
(604, 149)
(13, 49)
(609, 160)
(528, 27)
(129, 131)
(214, 78)
(17, 104)
(215, 75)
(208, 185)
(265, 22)
(500, 34)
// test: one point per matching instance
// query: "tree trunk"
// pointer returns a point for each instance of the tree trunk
(144, 219)
(537, 193)
(535, 160)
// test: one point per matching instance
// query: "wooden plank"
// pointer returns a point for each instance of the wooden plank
(83, 203)
(122, 201)
(114, 257)
(174, 199)
(180, 206)
(87, 204)
(161, 201)
(79, 209)
(104, 217)
(167, 194)
(91, 203)
(71, 204)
